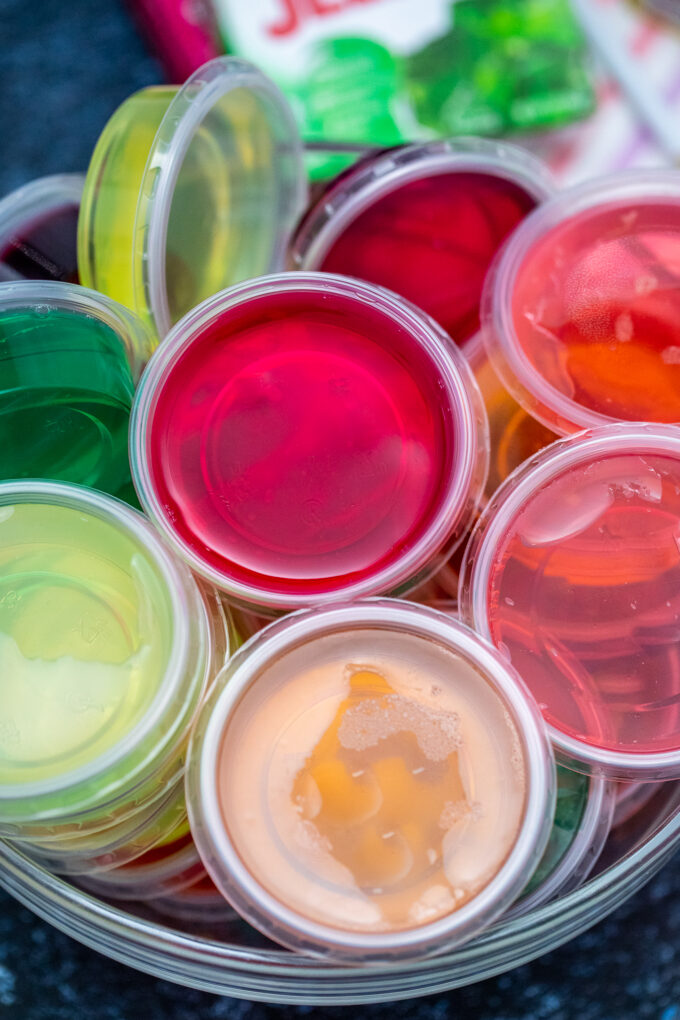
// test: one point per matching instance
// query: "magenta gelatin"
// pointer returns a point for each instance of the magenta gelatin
(305, 436)
(425, 222)
(574, 572)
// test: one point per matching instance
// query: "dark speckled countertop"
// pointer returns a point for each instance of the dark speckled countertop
(66, 65)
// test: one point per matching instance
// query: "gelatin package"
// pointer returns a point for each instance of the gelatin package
(382, 72)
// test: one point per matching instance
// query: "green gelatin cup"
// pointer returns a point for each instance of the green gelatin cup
(106, 646)
(191, 190)
(69, 362)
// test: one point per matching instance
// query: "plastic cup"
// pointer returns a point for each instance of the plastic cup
(106, 647)
(573, 571)
(424, 221)
(369, 781)
(631, 798)
(39, 230)
(581, 314)
(583, 818)
(514, 434)
(190, 190)
(69, 362)
(158, 873)
(306, 438)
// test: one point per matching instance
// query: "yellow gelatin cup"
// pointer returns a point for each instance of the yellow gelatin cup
(191, 190)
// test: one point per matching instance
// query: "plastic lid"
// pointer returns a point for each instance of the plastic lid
(69, 362)
(573, 571)
(369, 781)
(425, 221)
(191, 190)
(582, 313)
(308, 437)
(104, 650)
(38, 229)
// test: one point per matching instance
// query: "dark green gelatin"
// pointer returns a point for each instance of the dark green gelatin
(65, 396)
(572, 798)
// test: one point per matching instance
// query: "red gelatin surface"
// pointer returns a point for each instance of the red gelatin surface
(432, 240)
(584, 596)
(301, 442)
(596, 309)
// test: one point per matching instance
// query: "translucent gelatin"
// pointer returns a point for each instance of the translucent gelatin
(575, 573)
(596, 308)
(304, 441)
(432, 240)
(85, 630)
(44, 248)
(373, 782)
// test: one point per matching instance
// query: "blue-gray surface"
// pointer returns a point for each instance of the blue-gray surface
(66, 65)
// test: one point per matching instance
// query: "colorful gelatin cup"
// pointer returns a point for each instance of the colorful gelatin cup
(158, 873)
(573, 572)
(583, 818)
(306, 438)
(425, 221)
(191, 190)
(106, 647)
(69, 362)
(39, 230)
(582, 314)
(369, 781)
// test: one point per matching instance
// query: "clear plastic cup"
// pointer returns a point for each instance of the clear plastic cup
(69, 362)
(306, 438)
(190, 190)
(581, 309)
(583, 819)
(631, 798)
(39, 229)
(369, 781)
(106, 645)
(573, 572)
(424, 221)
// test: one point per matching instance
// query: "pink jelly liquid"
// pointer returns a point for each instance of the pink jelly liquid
(432, 241)
(301, 442)
(596, 309)
(585, 597)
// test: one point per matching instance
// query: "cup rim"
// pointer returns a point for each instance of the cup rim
(182, 604)
(464, 484)
(359, 187)
(185, 113)
(261, 907)
(513, 494)
(517, 372)
(48, 295)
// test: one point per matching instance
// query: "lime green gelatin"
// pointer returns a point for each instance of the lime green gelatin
(85, 629)
(66, 390)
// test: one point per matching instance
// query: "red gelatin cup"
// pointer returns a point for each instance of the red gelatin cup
(582, 311)
(425, 221)
(573, 571)
(305, 437)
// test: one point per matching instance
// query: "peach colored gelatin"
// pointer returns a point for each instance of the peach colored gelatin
(374, 783)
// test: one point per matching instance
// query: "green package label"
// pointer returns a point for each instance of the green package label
(383, 72)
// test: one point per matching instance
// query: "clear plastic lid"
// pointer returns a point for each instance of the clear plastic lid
(424, 221)
(105, 647)
(307, 437)
(369, 781)
(38, 229)
(581, 312)
(69, 362)
(573, 571)
(191, 190)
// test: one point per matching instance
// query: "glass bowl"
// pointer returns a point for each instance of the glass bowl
(230, 959)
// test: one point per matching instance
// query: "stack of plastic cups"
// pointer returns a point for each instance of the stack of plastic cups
(109, 644)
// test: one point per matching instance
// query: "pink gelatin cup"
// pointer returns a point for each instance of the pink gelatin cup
(581, 312)
(306, 437)
(573, 572)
